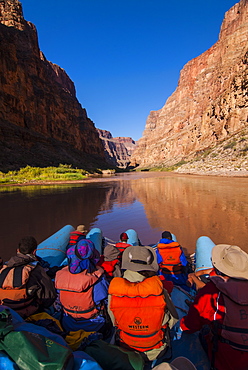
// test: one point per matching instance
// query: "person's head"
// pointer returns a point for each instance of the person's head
(82, 229)
(166, 235)
(27, 245)
(124, 237)
(82, 256)
(139, 258)
(230, 260)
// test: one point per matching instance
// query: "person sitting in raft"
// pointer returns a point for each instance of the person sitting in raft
(172, 260)
(24, 285)
(139, 307)
(77, 235)
(122, 244)
(222, 305)
(110, 262)
(83, 289)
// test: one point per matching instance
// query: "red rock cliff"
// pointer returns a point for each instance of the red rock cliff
(41, 121)
(118, 150)
(210, 102)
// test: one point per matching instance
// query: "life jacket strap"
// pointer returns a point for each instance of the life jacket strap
(235, 330)
(233, 344)
(17, 276)
(141, 336)
(15, 305)
(80, 312)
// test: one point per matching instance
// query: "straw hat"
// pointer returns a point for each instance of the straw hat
(180, 363)
(82, 229)
(230, 260)
(139, 258)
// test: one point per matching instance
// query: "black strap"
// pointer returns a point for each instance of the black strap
(17, 276)
(233, 344)
(3, 275)
(235, 330)
(17, 279)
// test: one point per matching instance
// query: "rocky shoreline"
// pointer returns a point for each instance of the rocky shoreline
(228, 158)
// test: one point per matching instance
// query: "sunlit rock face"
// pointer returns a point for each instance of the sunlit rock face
(118, 150)
(210, 102)
(41, 121)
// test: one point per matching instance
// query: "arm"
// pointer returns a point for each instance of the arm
(159, 257)
(203, 309)
(41, 284)
(111, 315)
(171, 316)
(193, 279)
(100, 291)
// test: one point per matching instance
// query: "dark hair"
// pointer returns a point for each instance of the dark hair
(27, 245)
(166, 235)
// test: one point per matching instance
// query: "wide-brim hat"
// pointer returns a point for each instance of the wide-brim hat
(82, 256)
(230, 260)
(180, 363)
(139, 258)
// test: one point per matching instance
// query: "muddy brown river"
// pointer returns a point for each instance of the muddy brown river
(149, 202)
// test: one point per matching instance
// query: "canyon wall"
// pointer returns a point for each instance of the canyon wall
(41, 121)
(118, 150)
(209, 104)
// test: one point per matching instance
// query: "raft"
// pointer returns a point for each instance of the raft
(184, 344)
(95, 235)
(53, 249)
(204, 246)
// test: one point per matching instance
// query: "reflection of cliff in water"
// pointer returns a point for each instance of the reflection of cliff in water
(118, 194)
(44, 211)
(194, 206)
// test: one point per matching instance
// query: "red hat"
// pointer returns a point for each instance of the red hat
(123, 236)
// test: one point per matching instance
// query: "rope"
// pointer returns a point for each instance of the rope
(48, 248)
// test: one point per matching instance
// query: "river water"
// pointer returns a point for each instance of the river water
(149, 202)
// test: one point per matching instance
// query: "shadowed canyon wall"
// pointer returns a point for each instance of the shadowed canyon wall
(210, 102)
(41, 121)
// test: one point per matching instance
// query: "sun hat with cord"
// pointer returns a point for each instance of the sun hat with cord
(231, 260)
(179, 363)
(139, 258)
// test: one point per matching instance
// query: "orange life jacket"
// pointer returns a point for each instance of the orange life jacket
(76, 292)
(122, 246)
(170, 254)
(13, 291)
(139, 310)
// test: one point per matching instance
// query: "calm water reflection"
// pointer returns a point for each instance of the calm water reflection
(189, 206)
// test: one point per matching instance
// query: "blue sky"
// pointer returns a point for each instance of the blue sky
(124, 56)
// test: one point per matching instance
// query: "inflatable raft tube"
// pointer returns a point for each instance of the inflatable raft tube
(53, 249)
(204, 246)
(95, 235)
(132, 237)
